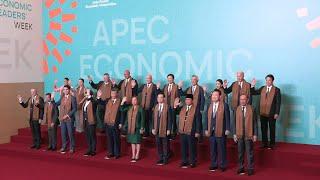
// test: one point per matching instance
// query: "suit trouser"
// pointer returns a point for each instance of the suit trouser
(162, 147)
(90, 131)
(100, 116)
(36, 132)
(52, 137)
(173, 118)
(265, 122)
(245, 146)
(113, 140)
(67, 129)
(148, 120)
(188, 148)
(218, 148)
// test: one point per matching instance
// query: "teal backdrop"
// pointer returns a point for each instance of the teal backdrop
(210, 38)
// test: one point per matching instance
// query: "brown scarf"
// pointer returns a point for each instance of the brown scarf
(35, 110)
(266, 101)
(186, 122)
(65, 107)
(146, 96)
(236, 91)
(105, 90)
(195, 95)
(90, 113)
(111, 112)
(163, 121)
(80, 94)
(47, 116)
(126, 91)
(132, 119)
(248, 122)
(170, 97)
(219, 119)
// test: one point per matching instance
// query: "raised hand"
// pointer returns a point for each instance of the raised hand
(19, 97)
(253, 82)
(158, 85)
(124, 99)
(133, 83)
(225, 83)
(113, 82)
(99, 93)
(176, 102)
(89, 78)
(180, 84)
(204, 88)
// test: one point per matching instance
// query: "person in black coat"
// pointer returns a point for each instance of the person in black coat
(270, 102)
(36, 106)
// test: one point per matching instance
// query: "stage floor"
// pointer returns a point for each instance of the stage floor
(294, 161)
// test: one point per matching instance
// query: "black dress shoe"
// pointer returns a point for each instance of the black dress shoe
(250, 172)
(165, 162)
(37, 147)
(109, 157)
(49, 148)
(93, 153)
(62, 151)
(53, 149)
(263, 146)
(271, 147)
(160, 162)
(241, 172)
(33, 146)
(211, 168)
(116, 157)
(193, 165)
(184, 165)
(87, 153)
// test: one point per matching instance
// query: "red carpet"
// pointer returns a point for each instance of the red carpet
(17, 161)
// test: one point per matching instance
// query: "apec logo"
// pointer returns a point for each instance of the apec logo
(100, 4)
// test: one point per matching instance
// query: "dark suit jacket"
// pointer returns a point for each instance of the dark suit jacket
(276, 103)
(55, 113)
(94, 108)
(153, 95)
(170, 121)
(71, 114)
(228, 90)
(226, 119)
(201, 98)
(196, 126)
(40, 106)
(134, 90)
(118, 116)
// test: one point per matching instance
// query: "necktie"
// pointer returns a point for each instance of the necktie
(243, 120)
(214, 110)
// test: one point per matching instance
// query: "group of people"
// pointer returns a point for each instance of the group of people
(140, 111)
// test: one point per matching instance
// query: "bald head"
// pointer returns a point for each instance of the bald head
(240, 76)
(126, 74)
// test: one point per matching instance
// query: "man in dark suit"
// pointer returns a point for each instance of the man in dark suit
(105, 87)
(112, 123)
(148, 100)
(50, 118)
(198, 98)
(171, 93)
(270, 102)
(189, 130)
(218, 127)
(36, 105)
(68, 108)
(241, 86)
(245, 134)
(89, 120)
(128, 88)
